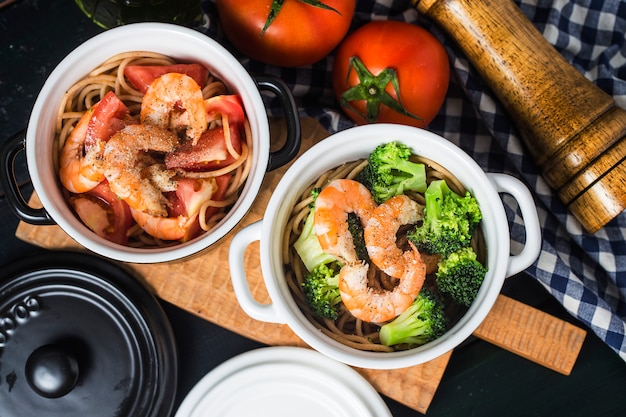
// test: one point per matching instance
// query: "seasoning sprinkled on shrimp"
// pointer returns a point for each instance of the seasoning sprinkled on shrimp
(174, 102)
(127, 164)
(184, 223)
(380, 235)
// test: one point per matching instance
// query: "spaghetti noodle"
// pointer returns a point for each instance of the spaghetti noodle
(109, 77)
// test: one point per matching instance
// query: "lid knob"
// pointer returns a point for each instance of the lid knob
(51, 371)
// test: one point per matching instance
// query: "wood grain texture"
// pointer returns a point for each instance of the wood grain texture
(571, 127)
(532, 334)
(202, 286)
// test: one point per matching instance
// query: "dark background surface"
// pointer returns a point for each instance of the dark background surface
(480, 380)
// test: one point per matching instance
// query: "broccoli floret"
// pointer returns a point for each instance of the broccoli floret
(390, 172)
(421, 323)
(460, 276)
(308, 246)
(321, 290)
(449, 220)
(314, 193)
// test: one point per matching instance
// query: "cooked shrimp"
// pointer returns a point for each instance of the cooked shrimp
(379, 305)
(124, 159)
(174, 102)
(193, 194)
(374, 305)
(380, 235)
(80, 169)
(164, 228)
(334, 202)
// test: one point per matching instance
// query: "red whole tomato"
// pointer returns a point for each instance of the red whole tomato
(391, 72)
(286, 33)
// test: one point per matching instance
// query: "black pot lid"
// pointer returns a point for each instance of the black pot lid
(80, 336)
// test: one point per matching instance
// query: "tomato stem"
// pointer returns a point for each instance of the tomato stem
(372, 89)
(278, 4)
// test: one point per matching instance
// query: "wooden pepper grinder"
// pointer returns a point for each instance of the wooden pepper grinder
(574, 130)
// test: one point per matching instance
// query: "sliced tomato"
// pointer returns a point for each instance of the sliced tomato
(141, 76)
(223, 181)
(208, 154)
(188, 198)
(104, 213)
(191, 193)
(228, 105)
(109, 116)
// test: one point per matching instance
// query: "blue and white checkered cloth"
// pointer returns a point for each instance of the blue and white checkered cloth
(585, 272)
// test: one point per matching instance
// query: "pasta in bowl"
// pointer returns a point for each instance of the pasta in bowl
(149, 143)
(151, 151)
(370, 293)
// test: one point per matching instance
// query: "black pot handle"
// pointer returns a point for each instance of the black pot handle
(291, 146)
(8, 179)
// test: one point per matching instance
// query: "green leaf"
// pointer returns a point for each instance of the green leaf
(316, 3)
(371, 88)
(277, 5)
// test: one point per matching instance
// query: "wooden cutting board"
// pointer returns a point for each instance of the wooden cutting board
(201, 285)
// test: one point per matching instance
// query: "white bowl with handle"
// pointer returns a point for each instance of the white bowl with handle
(183, 45)
(352, 144)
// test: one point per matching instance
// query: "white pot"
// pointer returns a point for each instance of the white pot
(356, 143)
(180, 43)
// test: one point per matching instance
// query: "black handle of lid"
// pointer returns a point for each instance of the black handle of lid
(52, 371)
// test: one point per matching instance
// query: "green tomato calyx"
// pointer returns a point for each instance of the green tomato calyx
(372, 89)
(277, 5)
